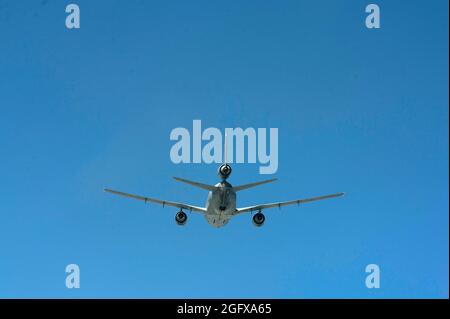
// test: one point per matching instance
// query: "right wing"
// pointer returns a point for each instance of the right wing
(158, 201)
(279, 204)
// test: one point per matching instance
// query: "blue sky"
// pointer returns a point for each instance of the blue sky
(358, 110)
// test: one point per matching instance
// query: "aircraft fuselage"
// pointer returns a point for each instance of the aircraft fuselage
(220, 205)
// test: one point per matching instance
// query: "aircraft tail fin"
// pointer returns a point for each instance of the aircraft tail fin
(246, 186)
(225, 149)
(196, 184)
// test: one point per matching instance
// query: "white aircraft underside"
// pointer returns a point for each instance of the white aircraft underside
(221, 205)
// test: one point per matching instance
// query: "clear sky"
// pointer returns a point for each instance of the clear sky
(358, 110)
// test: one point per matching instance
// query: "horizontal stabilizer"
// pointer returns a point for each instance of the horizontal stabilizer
(196, 184)
(246, 186)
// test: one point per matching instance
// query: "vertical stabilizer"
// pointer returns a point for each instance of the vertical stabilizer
(225, 169)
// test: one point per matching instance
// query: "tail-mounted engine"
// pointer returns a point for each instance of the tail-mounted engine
(224, 171)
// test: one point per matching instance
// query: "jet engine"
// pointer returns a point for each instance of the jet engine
(181, 218)
(258, 219)
(224, 171)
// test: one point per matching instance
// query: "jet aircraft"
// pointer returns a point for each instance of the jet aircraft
(221, 201)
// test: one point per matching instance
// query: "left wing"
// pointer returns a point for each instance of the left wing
(279, 204)
(159, 201)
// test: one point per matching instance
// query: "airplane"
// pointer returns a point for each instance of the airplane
(221, 201)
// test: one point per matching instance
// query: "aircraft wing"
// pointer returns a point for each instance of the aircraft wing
(159, 201)
(279, 204)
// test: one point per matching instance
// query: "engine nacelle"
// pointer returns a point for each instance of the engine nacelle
(181, 218)
(258, 219)
(224, 171)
